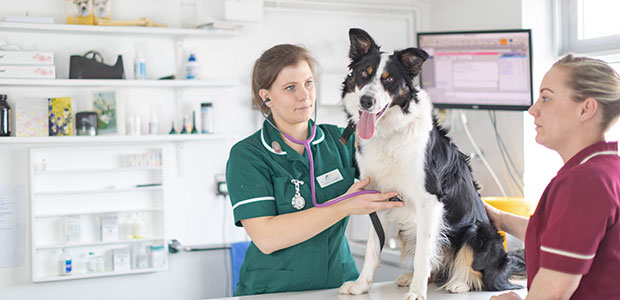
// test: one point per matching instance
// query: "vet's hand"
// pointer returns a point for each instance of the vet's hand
(507, 296)
(495, 215)
(367, 203)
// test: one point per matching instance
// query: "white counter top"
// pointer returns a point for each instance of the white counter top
(378, 291)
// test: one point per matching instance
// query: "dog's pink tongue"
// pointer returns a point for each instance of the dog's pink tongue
(366, 125)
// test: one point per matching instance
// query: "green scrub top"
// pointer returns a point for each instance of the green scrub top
(259, 174)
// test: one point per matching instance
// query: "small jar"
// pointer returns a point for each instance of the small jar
(206, 114)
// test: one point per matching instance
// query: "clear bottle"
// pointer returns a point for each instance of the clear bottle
(141, 258)
(100, 263)
(138, 227)
(66, 263)
(5, 117)
(139, 67)
(91, 263)
(154, 122)
(191, 68)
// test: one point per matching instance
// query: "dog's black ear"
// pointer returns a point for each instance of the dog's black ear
(412, 59)
(361, 44)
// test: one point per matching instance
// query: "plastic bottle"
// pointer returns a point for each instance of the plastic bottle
(91, 263)
(66, 263)
(153, 123)
(5, 117)
(138, 227)
(139, 67)
(206, 113)
(100, 263)
(141, 257)
(194, 129)
(191, 68)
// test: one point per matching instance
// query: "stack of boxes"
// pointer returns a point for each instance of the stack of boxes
(27, 64)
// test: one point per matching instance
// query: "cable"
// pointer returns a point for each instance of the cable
(506, 158)
(484, 160)
(500, 143)
(227, 265)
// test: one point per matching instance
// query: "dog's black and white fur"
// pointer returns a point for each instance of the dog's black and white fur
(443, 224)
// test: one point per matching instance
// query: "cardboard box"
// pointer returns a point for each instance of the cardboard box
(26, 58)
(102, 10)
(80, 12)
(40, 72)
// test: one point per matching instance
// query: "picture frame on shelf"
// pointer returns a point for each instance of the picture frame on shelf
(31, 117)
(59, 116)
(110, 111)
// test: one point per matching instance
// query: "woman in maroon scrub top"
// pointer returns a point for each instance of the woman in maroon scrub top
(572, 242)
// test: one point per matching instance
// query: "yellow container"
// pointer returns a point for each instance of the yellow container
(513, 205)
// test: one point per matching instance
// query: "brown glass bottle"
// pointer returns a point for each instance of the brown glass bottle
(5, 117)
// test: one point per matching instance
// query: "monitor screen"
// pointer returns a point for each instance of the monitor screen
(478, 69)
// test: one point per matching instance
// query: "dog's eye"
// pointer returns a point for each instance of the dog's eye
(389, 80)
(364, 74)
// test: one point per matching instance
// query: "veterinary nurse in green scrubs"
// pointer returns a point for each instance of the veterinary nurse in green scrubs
(295, 245)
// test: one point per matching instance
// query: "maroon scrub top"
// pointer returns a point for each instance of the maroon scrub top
(575, 228)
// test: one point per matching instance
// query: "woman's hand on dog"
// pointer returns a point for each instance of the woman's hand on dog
(368, 203)
(495, 215)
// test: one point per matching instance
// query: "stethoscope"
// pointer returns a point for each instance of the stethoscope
(306, 144)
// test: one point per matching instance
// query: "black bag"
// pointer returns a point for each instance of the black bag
(82, 67)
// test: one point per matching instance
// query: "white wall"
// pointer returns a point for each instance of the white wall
(541, 164)
(199, 275)
(449, 15)
(194, 214)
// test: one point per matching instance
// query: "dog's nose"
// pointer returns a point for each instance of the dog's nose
(366, 101)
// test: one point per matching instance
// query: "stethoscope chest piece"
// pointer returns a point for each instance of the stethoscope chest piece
(298, 201)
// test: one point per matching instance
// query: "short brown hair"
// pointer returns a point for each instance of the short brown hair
(271, 62)
(594, 78)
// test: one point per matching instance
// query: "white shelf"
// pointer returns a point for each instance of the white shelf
(119, 83)
(91, 275)
(101, 191)
(120, 169)
(119, 242)
(96, 212)
(111, 30)
(161, 138)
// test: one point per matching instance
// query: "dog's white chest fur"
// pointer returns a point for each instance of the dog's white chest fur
(395, 160)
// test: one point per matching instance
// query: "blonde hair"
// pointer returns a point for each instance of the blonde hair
(594, 78)
(268, 66)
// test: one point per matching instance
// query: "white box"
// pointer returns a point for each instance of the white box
(41, 72)
(243, 10)
(122, 259)
(26, 58)
(109, 228)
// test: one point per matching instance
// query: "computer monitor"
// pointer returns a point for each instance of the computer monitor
(478, 69)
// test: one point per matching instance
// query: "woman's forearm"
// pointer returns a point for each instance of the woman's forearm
(514, 225)
(271, 234)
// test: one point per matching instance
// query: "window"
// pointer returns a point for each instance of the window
(589, 26)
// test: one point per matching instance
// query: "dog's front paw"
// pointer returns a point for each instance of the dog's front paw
(404, 279)
(354, 287)
(457, 287)
(414, 296)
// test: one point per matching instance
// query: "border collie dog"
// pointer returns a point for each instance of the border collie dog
(443, 224)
